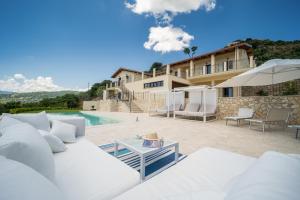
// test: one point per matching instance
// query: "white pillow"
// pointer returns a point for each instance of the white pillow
(54, 142)
(23, 143)
(18, 181)
(273, 176)
(64, 131)
(6, 122)
(37, 120)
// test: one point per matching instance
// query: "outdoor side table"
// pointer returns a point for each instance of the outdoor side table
(136, 145)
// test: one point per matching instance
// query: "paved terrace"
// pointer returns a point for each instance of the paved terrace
(193, 135)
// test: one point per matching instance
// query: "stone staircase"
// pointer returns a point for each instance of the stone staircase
(134, 108)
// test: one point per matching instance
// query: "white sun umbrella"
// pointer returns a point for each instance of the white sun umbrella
(271, 72)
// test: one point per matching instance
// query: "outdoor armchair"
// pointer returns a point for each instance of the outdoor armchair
(275, 115)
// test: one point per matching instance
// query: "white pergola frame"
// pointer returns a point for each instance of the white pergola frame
(202, 88)
(166, 92)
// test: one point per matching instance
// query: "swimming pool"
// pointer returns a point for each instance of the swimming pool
(90, 120)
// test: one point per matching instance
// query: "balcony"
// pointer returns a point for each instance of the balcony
(224, 68)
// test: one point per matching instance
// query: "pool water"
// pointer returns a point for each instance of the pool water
(90, 120)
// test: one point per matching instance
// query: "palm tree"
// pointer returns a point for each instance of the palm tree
(194, 49)
(190, 51)
(187, 51)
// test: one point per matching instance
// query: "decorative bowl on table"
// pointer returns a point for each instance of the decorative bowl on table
(152, 141)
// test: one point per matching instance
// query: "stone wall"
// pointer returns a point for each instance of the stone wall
(228, 106)
(90, 105)
(276, 89)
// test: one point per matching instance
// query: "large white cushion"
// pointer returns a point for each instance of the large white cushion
(85, 172)
(54, 142)
(6, 122)
(37, 120)
(23, 143)
(18, 181)
(205, 174)
(275, 176)
(64, 131)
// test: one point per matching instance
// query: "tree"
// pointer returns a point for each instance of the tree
(157, 65)
(97, 89)
(190, 51)
(71, 100)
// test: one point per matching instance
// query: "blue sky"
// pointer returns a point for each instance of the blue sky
(68, 43)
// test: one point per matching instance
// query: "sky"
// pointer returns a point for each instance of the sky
(55, 45)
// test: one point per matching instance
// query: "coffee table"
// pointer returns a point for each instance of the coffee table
(136, 145)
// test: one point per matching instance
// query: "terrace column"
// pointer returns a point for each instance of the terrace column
(187, 73)
(142, 75)
(213, 83)
(132, 78)
(111, 84)
(168, 70)
(213, 63)
(225, 66)
(191, 68)
(237, 58)
(104, 95)
(106, 86)
(204, 70)
(251, 61)
(154, 72)
(179, 72)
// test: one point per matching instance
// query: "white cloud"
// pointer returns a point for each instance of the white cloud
(166, 39)
(164, 10)
(19, 83)
(19, 76)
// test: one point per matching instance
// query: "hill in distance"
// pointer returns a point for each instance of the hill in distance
(265, 50)
(31, 96)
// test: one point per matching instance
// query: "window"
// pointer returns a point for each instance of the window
(229, 65)
(176, 73)
(208, 69)
(228, 92)
(154, 84)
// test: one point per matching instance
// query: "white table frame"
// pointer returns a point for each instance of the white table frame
(143, 156)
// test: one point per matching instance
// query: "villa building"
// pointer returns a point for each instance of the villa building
(207, 69)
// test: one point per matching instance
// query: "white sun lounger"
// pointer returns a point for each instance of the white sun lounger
(244, 113)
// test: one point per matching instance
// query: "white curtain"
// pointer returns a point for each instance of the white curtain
(195, 97)
(179, 98)
(211, 100)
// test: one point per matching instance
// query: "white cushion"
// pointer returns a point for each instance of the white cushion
(37, 120)
(54, 142)
(274, 176)
(84, 171)
(64, 131)
(6, 122)
(23, 143)
(204, 174)
(18, 181)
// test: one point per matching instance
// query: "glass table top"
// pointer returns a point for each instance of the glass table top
(136, 144)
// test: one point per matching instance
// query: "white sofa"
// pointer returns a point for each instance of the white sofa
(85, 172)
(212, 174)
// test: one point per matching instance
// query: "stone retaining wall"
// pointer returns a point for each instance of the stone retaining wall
(228, 106)
(89, 105)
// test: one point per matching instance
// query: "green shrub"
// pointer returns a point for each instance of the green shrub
(262, 93)
(290, 88)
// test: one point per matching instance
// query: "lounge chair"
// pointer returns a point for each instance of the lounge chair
(244, 113)
(164, 110)
(274, 115)
(197, 110)
(189, 109)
